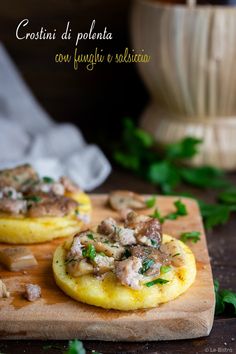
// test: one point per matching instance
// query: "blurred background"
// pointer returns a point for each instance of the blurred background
(95, 101)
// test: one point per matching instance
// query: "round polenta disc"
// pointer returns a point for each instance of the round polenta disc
(109, 293)
(26, 230)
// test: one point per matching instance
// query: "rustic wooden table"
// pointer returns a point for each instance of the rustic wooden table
(222, 249)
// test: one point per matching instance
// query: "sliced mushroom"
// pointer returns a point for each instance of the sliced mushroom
(17, 258)
(103, 263)
(77, 268)
(19, 177)
(3, 290)
(122, 199)
(175, 253)
(102, 244)
(52, 206)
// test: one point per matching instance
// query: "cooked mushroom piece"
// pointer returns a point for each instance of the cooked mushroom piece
(150, 233)
(107, 226)
(11, 206)
(127, 272)
(69, 185)
(3, 290)
(102, 243)
(19, 177)
(17, 258)
(52, 206)
(103, 263)
(121, 199)
(32, 292)
(77, 268)
(175, 253)
(134, 220)
(152, 259)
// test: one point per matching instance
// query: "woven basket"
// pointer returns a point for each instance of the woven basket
(191, 76)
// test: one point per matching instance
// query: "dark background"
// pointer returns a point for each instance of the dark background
(96, 101)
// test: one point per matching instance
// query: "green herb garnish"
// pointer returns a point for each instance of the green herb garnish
(90, 236)
(193, 236)
(214, 214)
(156, 214)
(9, 194)
(228, 196)
(75, 347)
(146, 264)
(151, 202)
(225, 300)
(165, 269)
(181, 210)
(154, 243)
(175, 255)
(127, 253)
(89, 252)
(33, 198)
(137, 152)
(156, 281)
(47, 179)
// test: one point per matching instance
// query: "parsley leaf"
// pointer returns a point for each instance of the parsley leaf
(228, 196)
(214, 214)
(33, 198)
(47, 179)
(156, 281)
(165, 175)
(165, 269)
(204, 177)
(75, 347)
(89, 252)
(193, 236)
(181, 210)
(90, 236)
(225, 300)
(151, 202)
(127, 253)
(156, 214)
(146, 264)
(183, 149)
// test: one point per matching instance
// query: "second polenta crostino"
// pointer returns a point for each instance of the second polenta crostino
(34, 209)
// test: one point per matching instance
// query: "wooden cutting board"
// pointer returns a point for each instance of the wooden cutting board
(56, 316)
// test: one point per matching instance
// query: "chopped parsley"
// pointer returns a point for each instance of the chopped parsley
(193, 236)
(157, 281)
(75, 347)
(154, 243)
(89, 252)
(156, 214)
(147, 263)
(90, 236)
(181, 210)
(151, 202)
(165, 269)
(175, 255)
(47, 179)
(33, 198)
(127, 253)
(225, 300)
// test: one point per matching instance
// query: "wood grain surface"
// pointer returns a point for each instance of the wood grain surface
(56, 316)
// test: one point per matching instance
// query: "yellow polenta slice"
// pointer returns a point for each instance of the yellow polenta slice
(111, 294)
(26, 230)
